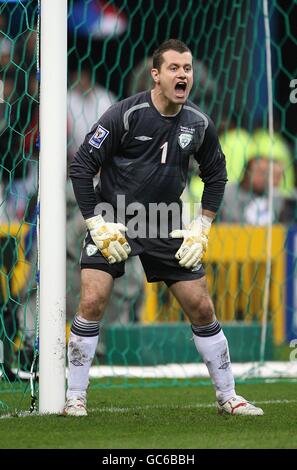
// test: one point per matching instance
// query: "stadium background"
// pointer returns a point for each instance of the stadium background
(228, 39)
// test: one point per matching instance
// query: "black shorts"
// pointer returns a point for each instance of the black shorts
(157, 258)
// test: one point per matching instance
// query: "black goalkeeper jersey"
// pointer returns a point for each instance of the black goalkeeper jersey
(145, 156)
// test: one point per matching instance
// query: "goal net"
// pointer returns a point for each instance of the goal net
(250, 263)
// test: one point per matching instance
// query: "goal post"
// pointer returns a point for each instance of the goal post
(53, 145)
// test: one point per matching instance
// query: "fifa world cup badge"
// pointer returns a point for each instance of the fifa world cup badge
(98, 137)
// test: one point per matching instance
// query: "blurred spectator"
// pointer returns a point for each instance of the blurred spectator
(246, 201)
(234, 142)
(18, 169)
(101, 19)
(240, 147)
(18, 126)
(280, 151)
(235, 145)
(87, 101)
(140, 78)
(205, 89)
(18, 179)
(5, 44)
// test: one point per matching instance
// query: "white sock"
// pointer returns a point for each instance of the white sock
(212, 345)
(81, 351)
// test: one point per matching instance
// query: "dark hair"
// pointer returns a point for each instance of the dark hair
(169, 45)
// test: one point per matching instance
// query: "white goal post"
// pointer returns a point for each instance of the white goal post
(52, 182)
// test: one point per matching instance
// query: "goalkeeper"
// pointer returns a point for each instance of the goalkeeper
(141, 147)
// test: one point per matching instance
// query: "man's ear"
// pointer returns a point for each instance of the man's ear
(155, 75)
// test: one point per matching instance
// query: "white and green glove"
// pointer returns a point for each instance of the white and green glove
(109, 239)
(195, 241)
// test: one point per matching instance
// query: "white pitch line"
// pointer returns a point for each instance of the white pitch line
(111, 409)
(114, 409)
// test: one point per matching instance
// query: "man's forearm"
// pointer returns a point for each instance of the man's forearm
(212, 196)
(85, 195)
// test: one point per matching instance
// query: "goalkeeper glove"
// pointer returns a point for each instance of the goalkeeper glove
(195, 241)
(109, 239)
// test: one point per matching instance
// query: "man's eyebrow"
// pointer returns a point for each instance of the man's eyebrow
(178, 65)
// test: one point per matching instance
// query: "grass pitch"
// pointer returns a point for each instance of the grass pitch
(161, 417)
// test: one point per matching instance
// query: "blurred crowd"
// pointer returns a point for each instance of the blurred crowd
(251, 155)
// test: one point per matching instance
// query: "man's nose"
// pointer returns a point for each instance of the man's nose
(181, 73)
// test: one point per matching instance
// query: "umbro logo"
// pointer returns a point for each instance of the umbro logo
(143, 138)
(75, 362)
(225, 366)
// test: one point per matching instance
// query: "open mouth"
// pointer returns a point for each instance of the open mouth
(180, 88)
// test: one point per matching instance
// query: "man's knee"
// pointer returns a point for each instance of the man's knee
(203, 311)
(92, 306)
(95, 290)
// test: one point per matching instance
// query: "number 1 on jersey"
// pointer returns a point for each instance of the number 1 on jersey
(164, 152)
